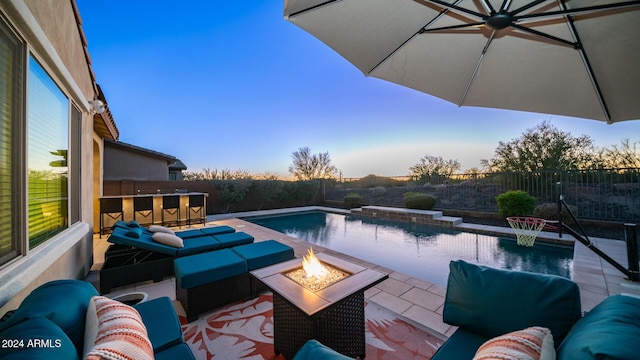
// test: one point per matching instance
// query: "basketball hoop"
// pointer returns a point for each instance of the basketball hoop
(526, 228)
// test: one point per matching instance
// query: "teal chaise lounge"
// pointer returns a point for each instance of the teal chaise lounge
(137, 254)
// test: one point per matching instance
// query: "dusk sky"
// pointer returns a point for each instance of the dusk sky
(232, 85)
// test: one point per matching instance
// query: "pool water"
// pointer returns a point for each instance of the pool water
(418, 250)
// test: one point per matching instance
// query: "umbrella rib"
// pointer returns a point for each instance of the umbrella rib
(589, 69)
(461, 9)
(487, 6)
(526, 7)
(452, 27)
(566, 12)
(574, 45)
(421, 31)
(329, 2)
(475, 71)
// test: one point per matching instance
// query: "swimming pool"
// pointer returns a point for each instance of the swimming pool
(418, 250)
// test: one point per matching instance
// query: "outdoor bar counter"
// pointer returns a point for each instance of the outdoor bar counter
(160, 208)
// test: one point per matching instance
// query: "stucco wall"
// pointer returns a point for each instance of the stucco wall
(50, 30)
(121, 164)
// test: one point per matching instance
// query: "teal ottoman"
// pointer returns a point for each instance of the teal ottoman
(209, 280)
(264, 253)
(261, 254)
(233, 239)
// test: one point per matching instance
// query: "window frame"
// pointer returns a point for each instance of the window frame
(20, 237)
(18, 143)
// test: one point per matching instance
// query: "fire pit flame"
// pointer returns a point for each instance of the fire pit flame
(312, 266)
(315, 275)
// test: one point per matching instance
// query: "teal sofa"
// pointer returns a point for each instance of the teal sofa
(485, 303)
(50, 324)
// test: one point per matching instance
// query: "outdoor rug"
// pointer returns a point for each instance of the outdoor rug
(244, 330)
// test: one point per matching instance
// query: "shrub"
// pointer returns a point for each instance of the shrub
(378, 191)
(549, 211)
(416, 200)
(515, 203)
(353, 200)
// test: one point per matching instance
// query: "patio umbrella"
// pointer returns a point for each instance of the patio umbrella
(576, 58)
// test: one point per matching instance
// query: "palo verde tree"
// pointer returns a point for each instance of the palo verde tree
(308, 166)
(434, 166)
(543, 148)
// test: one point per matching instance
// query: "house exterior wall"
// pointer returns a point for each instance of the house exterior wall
(124, 164)
(50, 30)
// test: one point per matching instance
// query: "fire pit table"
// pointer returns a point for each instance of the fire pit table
(331, 312)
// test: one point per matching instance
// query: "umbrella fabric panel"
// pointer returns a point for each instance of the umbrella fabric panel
(474, 65)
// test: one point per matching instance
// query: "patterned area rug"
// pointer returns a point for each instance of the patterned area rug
(245, 331)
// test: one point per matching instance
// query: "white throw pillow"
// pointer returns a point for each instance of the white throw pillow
(120, 334)
(90, 328)
(167, 239)
(534, 343)
(158, 228)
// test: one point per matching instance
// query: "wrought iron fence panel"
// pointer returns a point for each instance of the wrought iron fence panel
(606, 194)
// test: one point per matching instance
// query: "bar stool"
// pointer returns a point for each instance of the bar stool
(196, 206)
(171, 206)
(111, 207)
(143, 206)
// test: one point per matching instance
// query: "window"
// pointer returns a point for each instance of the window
(47, 156)
(11, 89)
(40, 146)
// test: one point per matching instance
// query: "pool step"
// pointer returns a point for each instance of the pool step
(409, 215)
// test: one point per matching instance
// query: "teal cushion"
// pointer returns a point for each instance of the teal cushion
(264, 253)
(180, 351)
(233, 239)
(133, 224)
(463, 344)
(493, 302)
(200, 269)
(314, 350)
(120, 224)
(197, 245)
(611, 330)
(36, 338)
(161, 321)
(217, 230)
(188, 234)
(64, 302)
(134, 233)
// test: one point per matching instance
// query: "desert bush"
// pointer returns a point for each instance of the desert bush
(353, 200)
(549, 211)
(378, 191)
(416, 200)
(515, 203)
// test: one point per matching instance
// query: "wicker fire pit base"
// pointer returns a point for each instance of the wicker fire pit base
(340, 326)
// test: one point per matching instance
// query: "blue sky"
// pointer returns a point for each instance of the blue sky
(232, 85)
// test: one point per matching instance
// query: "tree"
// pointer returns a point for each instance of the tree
(208, 174)
(308, 166)
(543, 148)
(434, 165)
(627, 155)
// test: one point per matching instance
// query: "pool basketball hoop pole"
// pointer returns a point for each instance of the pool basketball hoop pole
(630, 238)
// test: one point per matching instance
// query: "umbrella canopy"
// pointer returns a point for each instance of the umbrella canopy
(576, 58)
